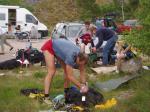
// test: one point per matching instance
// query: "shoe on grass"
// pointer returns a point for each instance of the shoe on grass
(47, 100)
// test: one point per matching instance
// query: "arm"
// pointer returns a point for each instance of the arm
(69, 71)
(100, 39)
(127, 49)
(82, 74)
(92, 43)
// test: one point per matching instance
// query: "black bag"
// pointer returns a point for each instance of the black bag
(22, 54)
(92, 97)
(27, 91)
(32, 55)
(9, 64)
(35, 56)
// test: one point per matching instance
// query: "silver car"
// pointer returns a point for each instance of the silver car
(69, 30)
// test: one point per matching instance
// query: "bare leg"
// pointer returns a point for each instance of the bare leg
(8, 44)
(2, 43)
(66, 80)
(50, 62)
(82, 74)
(82, 47)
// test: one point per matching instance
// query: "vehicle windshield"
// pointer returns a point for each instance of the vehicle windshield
(73, 30)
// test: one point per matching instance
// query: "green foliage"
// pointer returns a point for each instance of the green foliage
(107, 8)
(134, 3)
(39, 74)
(140, 39)
(89, 8)
(21, 3)
(11, 2)
(142, 94)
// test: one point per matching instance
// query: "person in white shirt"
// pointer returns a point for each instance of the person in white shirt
(34, 32)
(3, 37)
(84, 32)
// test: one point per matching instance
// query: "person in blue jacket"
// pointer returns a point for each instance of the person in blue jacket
(104, 34)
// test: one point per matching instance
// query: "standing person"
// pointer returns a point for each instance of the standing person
(99, 22)
(84, 32)
(3, 37)
(70, 57)
(34, 32)
(104, 34)
(85, 29)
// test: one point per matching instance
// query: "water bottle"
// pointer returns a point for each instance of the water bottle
(58, 98)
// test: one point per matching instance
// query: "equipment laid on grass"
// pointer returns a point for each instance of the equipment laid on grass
(9, 64)
(91, 98)
(24, 57)
(31, 54)
(104, 70)
(107, 104)
(27, 91)
(114, 83)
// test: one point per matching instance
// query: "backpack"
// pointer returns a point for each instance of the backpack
(9, 64)
(27, 91)
(92, 97)
(35, 56)
(32, 55)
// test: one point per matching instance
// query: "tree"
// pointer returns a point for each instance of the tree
(89, 8)
(10, 2)
(140, 39)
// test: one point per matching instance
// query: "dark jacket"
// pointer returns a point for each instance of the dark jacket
(103, 34)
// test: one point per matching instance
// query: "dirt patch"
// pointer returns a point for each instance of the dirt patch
(123, 95)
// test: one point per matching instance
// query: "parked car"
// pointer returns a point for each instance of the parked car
(128, 26)
(67, 30)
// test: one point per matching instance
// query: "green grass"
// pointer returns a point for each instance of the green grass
(12, 101)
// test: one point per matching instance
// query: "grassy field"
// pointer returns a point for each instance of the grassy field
(137, 98)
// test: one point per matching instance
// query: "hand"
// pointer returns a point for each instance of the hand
(84, 88)
(94, 49)
(77, 41)
(120, 56)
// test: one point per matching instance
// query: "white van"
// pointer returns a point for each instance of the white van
(14, 16)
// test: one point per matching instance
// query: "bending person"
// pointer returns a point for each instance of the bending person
(70, 57)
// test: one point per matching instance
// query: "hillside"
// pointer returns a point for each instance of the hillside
(103, 1)
(50, 12)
